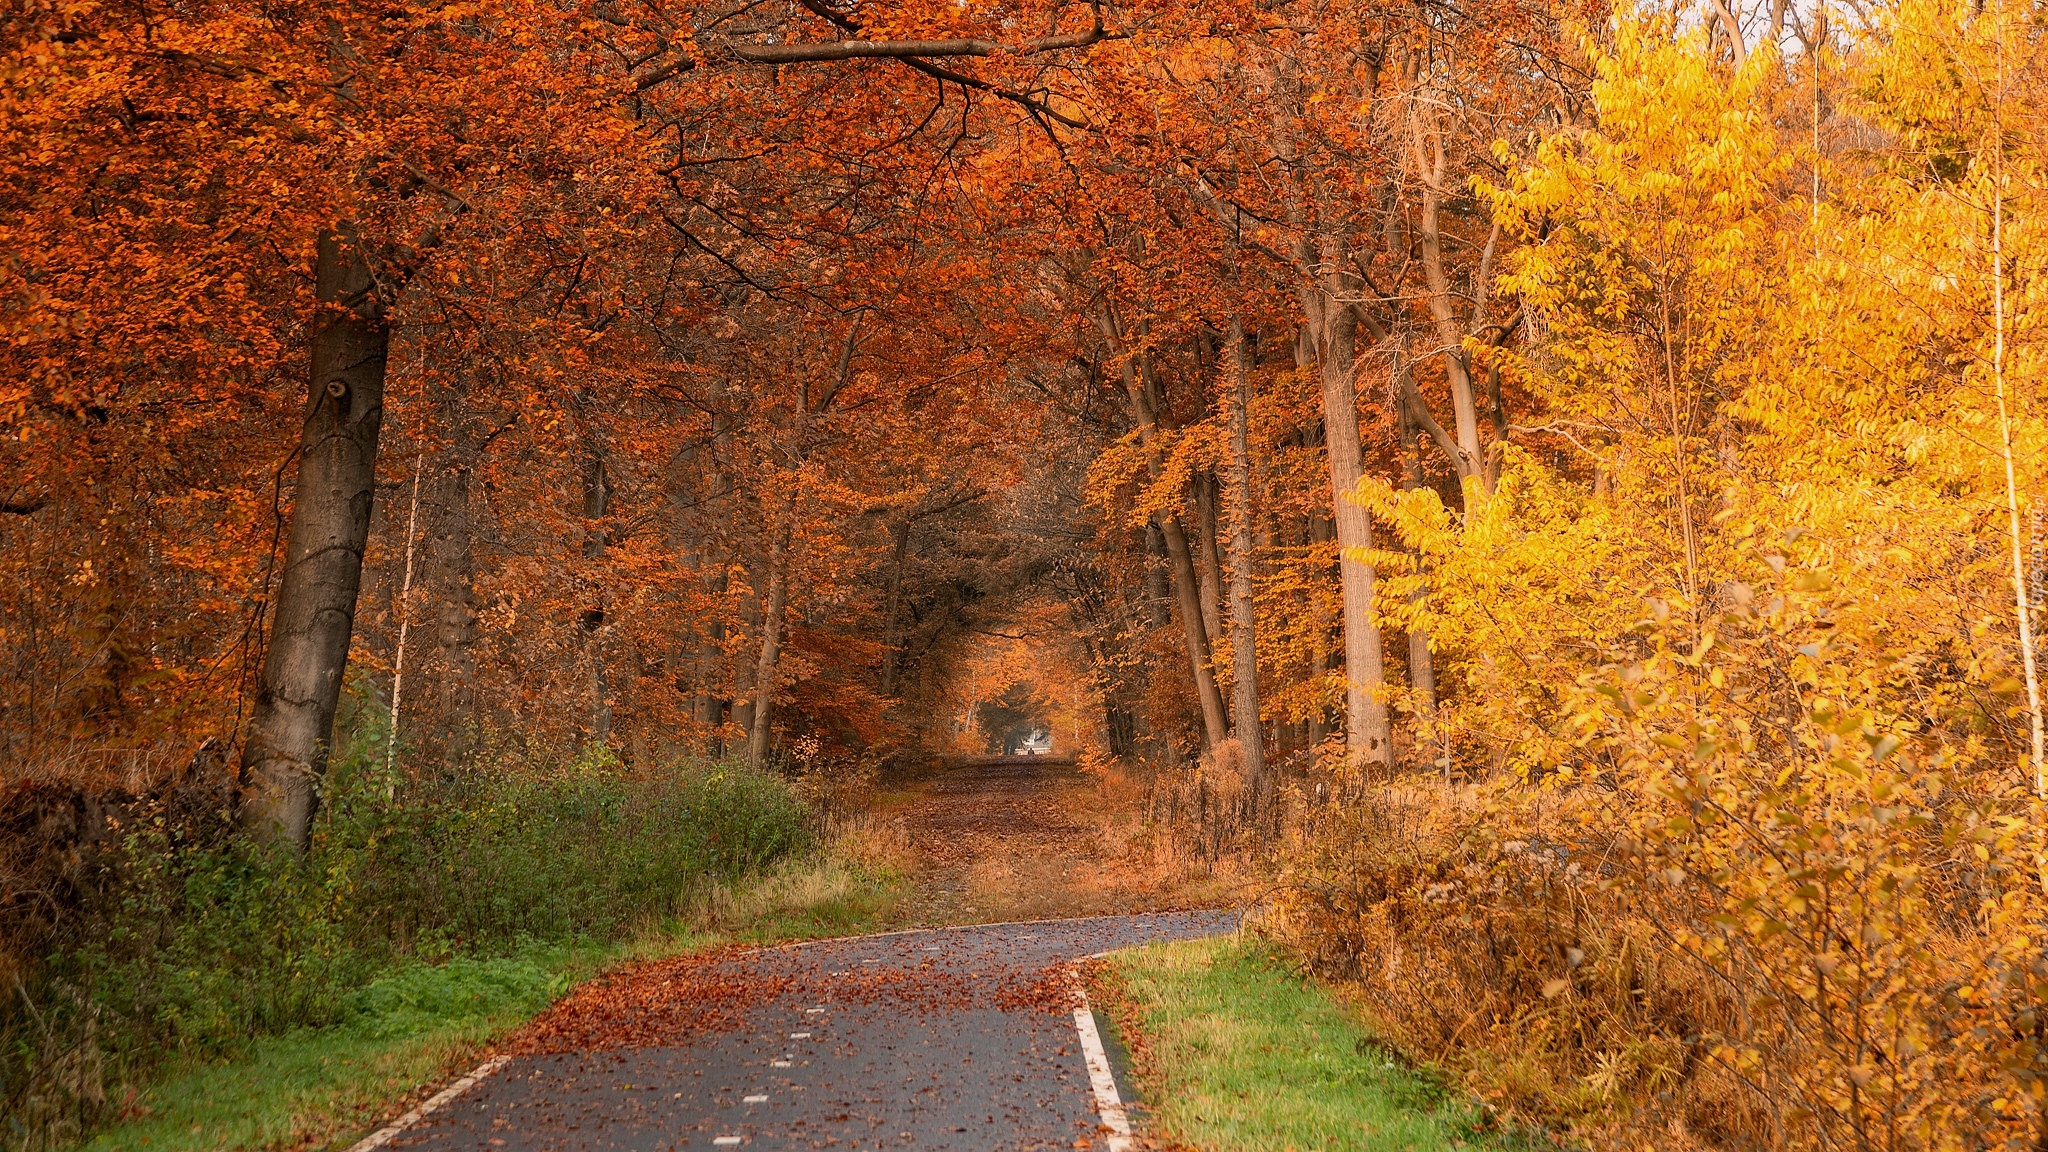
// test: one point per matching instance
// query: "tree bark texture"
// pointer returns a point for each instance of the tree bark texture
(777, 602)
(285, 753)
(1332, 330)
(597, 499)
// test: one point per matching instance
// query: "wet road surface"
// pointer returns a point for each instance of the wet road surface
(959, 1038)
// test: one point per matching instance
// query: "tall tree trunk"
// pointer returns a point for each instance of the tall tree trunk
(1321, 530)
(451, 576)
(771, 640)
(1156, 579)
(1333, 333)
(709, 707)
(1244, 643)
(451, 560)
(892, 645)
(285, 754)
(1179, 556)
(743, 699)
(597, 499)
(1215, 729)
(1209, 554)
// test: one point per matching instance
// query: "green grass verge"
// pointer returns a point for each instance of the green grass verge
(404, 1034)
(1235, 1052)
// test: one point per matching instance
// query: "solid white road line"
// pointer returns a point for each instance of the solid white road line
(1107, 1102)
(384, 1135)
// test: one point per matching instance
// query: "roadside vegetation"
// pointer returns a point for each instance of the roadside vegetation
(1236, 1052)
(211, 991)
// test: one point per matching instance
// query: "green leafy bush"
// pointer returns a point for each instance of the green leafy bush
(418, 895)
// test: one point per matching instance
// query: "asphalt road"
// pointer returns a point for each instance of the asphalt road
(960, 1038)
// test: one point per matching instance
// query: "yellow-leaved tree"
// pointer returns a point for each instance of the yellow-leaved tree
(1741, 804)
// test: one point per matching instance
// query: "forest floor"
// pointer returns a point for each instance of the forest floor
(1011, 839)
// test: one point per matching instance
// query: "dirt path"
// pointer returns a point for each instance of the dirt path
(1023, 839)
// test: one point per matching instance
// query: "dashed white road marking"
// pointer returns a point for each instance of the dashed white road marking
(808, 1011)
(799, 1035)
(778, 1064)
(1107, 1103)
(384, 1135)
(753, 1099)
(722, 1141)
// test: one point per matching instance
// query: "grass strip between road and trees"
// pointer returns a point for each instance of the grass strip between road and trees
(405, 1034)
(1232, 1050)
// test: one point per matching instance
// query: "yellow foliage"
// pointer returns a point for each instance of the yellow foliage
(1742, 823)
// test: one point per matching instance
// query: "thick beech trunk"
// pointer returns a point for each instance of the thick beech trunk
(1333, 335)
(285, 753)
(1244, 644)
(777, 602)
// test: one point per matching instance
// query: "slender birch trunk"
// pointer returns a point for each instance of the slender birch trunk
(2012, 496)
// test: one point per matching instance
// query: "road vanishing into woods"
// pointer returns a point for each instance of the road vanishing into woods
(957, 1038)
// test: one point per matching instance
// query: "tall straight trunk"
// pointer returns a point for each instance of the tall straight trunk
(706, 556)
(743, 690)
(1333, 334)
(1141, 390)
(892, 645)
(285, 754)
(1244, 642)
(777, 601)
(1321, 530)
(451, 561)
(707, 708)
(1330, 333)
(1209, 554)
(1156, 591)
(597, 498)
(1215, 729)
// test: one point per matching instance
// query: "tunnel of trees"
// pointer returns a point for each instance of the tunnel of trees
(1611, 416)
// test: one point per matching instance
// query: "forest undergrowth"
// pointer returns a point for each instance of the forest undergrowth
(186, 945)
(1738, 837)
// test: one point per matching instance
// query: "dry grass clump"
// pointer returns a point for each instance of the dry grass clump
(855, 880)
